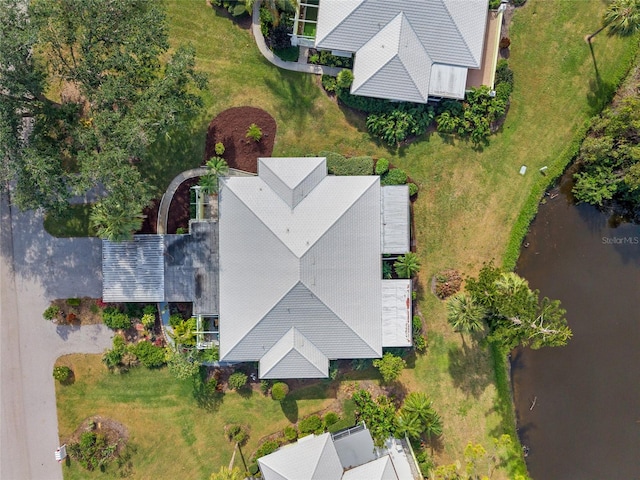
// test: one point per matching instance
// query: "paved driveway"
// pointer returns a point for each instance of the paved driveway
(35, 268)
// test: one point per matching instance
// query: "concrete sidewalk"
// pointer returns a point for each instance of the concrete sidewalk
(35, 268)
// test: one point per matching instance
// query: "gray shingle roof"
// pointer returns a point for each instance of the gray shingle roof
(315, 267)
(311, 458)
(397, 41)
(133, 271)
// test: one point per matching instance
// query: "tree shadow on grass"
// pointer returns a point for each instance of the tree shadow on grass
(467, 370)
(246, 391)
(290, 409)
(600, 92)
(297, 94)
(205, 393)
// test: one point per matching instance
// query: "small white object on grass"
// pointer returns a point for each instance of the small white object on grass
(523, 169)
(543, 170)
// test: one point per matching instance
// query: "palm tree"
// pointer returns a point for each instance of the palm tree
(418, 405)
(622, 18)
(113, 222)
(217, 167)
(407, 265)
(409, 425)
(433, 427)
(464, 314)
(226, 473)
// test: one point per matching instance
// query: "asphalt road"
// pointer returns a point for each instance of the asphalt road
(34, 269)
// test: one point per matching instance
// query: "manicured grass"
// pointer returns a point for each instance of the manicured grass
(173, 437)
(469, 201)
(73, 222)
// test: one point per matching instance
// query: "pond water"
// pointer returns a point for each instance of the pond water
(578, 406)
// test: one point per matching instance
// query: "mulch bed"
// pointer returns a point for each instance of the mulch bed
(230, 128)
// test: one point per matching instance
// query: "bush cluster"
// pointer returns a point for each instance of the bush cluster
(311, 424)
(92, 451)
(340, 165)
(290, 434)
(402, 122)
(115, 319)
(148, 354)
(324, 57)
(266, 448)
(279, 391)
(62, 373)
(237, 380)
(395, 176)
(51, 312)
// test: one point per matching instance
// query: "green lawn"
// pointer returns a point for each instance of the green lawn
(173, 436)
(468, 202)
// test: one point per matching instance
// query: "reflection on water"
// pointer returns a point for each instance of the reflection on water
(578, 406)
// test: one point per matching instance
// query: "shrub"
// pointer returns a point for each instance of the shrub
(148, 320)
(505, 42)
(387, 270)
(288, 54)
(175, 320)
(395, 176)
(51, 312)
(152, 309)
(92, 451)
(254, 469)
(503, 73)
(254, 132)
(329, 83)
(290, 433)
(180, 365)
(62, 373)
(413, 189)
(279, 391)
(344, 78)
(219, 149)
(364, 104)
(397, 125)
(115, 319)
(265, 385)
(311, 424)
(74, 302)
(416, 325)
(419, 343)
(340, 165)
(237, 380)
(330, 418)
(148, 354)
(266, 448)
(389, 366)
(382, 166)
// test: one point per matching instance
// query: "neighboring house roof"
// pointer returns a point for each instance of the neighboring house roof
(354, 448)
(299, 267)
(396, 221)
(396, 313)
(346, 455)
(311, 458)
(397, 43)
(133, 271)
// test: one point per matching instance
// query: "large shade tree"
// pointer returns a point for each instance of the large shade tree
(120, 88)
(622, 17)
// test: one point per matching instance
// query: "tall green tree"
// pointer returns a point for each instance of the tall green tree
(622, 18)
(121, 90)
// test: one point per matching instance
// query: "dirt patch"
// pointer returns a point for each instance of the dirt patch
(230, 129)
(115, 432)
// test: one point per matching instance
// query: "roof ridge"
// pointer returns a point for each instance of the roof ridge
(464, 40)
